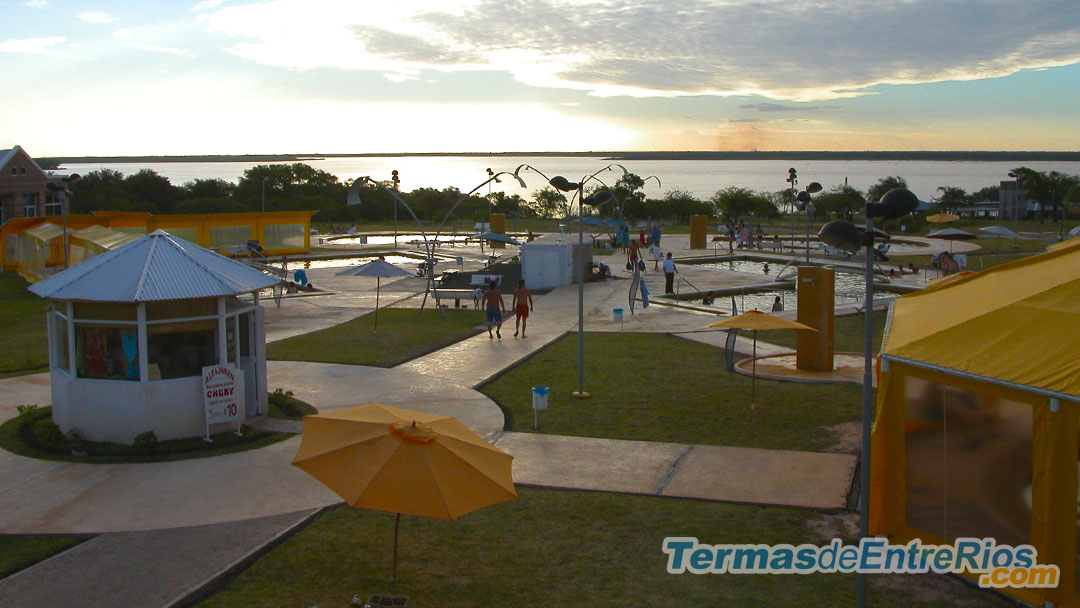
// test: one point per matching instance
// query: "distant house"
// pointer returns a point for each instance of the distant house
(22, 187)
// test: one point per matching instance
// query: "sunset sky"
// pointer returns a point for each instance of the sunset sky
(358, 76)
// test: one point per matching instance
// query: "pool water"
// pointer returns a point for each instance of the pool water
(402, 239)
(407, 263)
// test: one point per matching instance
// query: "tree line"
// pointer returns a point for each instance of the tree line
(297, 186)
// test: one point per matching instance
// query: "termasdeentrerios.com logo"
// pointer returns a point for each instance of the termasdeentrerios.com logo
(999, 566)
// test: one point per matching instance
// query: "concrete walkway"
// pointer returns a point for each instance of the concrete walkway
(227, 492)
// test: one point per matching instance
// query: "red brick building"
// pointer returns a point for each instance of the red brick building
(22, 187)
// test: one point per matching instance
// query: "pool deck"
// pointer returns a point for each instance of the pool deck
(144, 509)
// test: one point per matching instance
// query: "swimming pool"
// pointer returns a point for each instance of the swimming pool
(408, 263)
(402, 239)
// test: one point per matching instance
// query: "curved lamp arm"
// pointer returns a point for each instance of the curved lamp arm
(366, 179)
(494, 178)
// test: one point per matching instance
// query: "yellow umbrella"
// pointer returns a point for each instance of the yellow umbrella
(380, 457)
(755, 320)
(941, 218)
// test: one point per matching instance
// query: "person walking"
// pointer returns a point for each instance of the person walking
(632, 257)
(521, 309)
(658, 255)
(669, 275)
(493, 309)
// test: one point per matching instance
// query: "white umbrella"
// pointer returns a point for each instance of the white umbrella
(380, 270)
(1000, 231)
(1075, 231)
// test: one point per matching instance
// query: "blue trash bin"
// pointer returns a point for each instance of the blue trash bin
(539, 397)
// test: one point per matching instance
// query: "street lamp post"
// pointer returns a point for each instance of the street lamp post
(1016, 201)
(578, 188)
(842, 234)
(397, 181)
(67, 181)
(792, 180)
(803, 203)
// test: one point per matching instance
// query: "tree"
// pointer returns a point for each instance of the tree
(208, 188)
(549, 202)
(987, 194)
(734, 202)
(1046, 189)
(952, 197)
(841, 202)
(883, 185)
(680, 204)
(98, 190)
(150, 191)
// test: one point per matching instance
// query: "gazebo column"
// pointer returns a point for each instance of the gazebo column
(70, 309)
(144, 354)
(223, 351)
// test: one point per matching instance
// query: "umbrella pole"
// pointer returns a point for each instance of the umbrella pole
(753, 373)
(378, 284)
(397, 521)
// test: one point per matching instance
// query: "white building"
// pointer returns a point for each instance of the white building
(553, 260)
(131, 329)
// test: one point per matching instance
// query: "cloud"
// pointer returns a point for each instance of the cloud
(775, 107)
(740, 120)
(96, 17)
(38, 4)
(32, 46)
(784, 50)
(206, 5)
(160, 49)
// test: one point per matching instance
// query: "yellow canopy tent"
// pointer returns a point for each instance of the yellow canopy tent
(34, 249)
(95, 240)
(978, 412)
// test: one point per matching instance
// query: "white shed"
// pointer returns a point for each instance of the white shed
(553, 260)
(131, 330)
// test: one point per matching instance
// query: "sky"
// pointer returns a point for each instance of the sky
(130, 77)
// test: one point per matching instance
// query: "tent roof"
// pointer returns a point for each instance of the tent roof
(1014, 323)
(45, 231)
(153, 268)
(108, 239)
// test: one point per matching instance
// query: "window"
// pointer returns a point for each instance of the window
(22, 170)
(106, 352)
(283, 236)
(181, 350)
(59, 357)
(229, 235)
(14, 170)
(54, 204)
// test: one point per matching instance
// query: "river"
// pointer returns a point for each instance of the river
(701, 178)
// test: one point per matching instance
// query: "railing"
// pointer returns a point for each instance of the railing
(679, 283)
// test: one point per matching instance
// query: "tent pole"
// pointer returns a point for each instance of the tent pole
(378, 285)
(397, 521)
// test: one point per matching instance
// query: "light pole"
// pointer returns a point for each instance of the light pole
(803, 203)
(564, 185)
(842, 234)
(397, 181)
(792, 180)
(67, 181)
(1016, 201)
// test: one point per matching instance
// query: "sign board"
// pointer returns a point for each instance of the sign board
(222, 395)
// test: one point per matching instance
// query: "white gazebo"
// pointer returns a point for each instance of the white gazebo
(132, 329)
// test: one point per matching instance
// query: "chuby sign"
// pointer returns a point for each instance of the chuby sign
(222, 396)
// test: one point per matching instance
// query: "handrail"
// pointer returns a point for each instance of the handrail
(780, 275)
(680, 282)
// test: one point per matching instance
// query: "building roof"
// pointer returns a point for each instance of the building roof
(7, 155)
(1014, 323)
(155, 268)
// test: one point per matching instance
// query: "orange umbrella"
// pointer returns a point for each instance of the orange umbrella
(755, 320)
(380, 457)
(941, 218)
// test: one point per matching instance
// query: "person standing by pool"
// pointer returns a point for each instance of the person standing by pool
(632, 257)
(777, 305)
(493, 309)
(656, 233)
(669, 275)
(521, 309)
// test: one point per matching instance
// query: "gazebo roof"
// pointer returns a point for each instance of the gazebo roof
(155, 268)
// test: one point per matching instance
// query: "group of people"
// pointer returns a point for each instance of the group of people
(494, 307)
(635, 261)
(740, 235)
(622, 238)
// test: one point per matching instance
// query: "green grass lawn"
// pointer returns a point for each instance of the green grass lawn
(655, 387)
(847, 334)
(22, 551)
(553, 548)
(402, 335)
(22, 323)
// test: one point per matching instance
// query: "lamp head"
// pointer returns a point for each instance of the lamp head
(843, 235)
(813, 187)
(598, 198)
(490, 172)
(894, 204)
(561, 183)
(802, 200)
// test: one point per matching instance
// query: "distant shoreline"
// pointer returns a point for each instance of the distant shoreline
(627, 156)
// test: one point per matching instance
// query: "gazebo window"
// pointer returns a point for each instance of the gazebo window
(182, 349)
(106, 351)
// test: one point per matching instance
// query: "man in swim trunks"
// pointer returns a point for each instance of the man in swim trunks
(493, 308)
(521, 309)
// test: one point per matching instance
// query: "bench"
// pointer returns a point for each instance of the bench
(455, 294)
(481, 280)
(774, 245)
